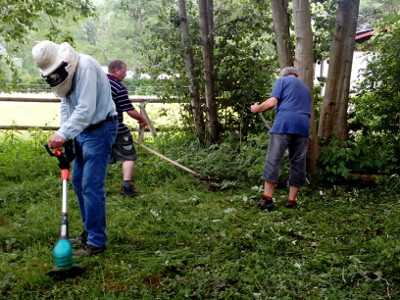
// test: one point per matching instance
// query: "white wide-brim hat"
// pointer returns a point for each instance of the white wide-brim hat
(45, 53)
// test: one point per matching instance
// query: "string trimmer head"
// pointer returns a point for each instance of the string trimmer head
(65, 266)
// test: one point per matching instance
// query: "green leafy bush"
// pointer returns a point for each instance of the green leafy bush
(366, 155)
(24, 157)
(233, 160)
(377, 106)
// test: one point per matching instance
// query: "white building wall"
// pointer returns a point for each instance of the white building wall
(360, 62)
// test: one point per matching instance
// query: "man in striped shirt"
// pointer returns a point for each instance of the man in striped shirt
(123, 149)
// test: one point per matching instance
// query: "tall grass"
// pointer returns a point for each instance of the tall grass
(185, 238)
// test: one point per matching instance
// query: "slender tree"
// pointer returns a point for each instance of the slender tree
(338, 81)
(194, 86)
(280, 17)
(304, 58)
(206, 28)
(304, 62)
(341, 127)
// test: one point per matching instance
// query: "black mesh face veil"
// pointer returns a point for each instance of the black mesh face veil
(58, 76)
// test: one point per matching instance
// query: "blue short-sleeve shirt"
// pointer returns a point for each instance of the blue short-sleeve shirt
(293, 109)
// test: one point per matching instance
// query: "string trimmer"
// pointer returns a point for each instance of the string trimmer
(64, 262)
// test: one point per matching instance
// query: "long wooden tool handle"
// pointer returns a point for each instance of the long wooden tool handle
(169, 160)
(141, 134)
(146, 116)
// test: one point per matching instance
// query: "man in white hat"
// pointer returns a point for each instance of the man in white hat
(89, 116)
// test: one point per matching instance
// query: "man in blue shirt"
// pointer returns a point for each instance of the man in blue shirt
(123, 149)
(292, 99)
(88, 115)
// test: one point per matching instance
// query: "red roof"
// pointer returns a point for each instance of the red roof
(365, 35)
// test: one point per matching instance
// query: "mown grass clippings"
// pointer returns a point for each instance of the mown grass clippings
(181, 239)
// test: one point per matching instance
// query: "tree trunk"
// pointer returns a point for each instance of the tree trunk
(280, 19)
(338, 82)
(305, 64)
(194, 86)
(206, 23)
(340, 126)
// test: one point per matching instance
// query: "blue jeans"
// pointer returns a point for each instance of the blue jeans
(297, 146)
(93, 149)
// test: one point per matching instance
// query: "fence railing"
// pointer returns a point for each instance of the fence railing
(52, 99)
(45, 88)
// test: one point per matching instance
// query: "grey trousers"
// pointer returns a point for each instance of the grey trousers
(297, 146)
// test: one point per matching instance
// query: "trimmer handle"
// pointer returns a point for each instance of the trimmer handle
(66, 156)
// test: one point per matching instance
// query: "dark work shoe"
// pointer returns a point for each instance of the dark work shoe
(89, 250)
(82, 238)
(265, 204)
(129, 191)
(291, 204)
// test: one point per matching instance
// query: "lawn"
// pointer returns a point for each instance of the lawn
(185, 238)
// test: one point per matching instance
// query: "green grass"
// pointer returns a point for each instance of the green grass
(185, 238)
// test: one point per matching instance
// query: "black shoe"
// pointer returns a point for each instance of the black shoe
(82, 238)
(265, 204)
(89, 250)
(291, 204)
(129, 191)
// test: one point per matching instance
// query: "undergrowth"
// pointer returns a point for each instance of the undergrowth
(185, 238)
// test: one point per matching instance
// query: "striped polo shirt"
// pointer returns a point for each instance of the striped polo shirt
(120, 96)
